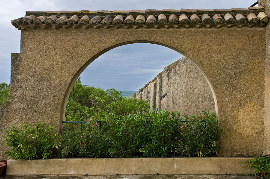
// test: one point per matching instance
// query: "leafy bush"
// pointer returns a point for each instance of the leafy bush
(87, 102)
(262, 166)
(88, 142)
(77, 112)
(4, 94)
(201, 134)
(39, 141)
(164, 135)
(153, 134)
(116, 127)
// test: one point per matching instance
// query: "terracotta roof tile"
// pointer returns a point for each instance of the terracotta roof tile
(150, 18)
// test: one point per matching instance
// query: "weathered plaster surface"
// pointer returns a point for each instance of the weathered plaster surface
(182, 87)
(233, 60)
(266, 141)
(266, 4)
(129, 166)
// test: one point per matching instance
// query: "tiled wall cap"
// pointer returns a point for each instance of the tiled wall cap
(150, 18)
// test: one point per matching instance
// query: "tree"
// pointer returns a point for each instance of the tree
(88, 102)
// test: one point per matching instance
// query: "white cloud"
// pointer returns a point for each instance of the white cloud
(144, 71)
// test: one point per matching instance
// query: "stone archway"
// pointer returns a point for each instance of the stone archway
(229, 46)
(207, 85)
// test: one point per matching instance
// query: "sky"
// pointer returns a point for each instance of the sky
(140, 63)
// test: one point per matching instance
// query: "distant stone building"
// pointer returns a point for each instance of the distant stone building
(182, 87)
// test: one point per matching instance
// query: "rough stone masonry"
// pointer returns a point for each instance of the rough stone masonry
(181, 87)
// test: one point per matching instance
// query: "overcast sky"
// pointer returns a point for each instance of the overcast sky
(139, 62)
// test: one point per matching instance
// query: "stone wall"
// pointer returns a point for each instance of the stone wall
(182, 87)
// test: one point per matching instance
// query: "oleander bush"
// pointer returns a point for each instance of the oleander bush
(38, 141)
(201, 135)
(155, 134)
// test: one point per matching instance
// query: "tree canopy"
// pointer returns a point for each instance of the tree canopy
(87, 102)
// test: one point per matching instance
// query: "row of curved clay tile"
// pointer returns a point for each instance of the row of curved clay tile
(86, 21)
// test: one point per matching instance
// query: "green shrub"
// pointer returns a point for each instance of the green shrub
(89, 142)
(262, 166)
(152, 134)
(77, 112)
(87, 102)
(38, 141)
(201, 134)
(125, 106)
(116, 127)
(125, 135)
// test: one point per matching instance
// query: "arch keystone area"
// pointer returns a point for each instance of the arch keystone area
(230, 46)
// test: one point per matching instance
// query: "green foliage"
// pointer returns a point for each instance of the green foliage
(262, 166)
(201, 134)
(39, 141)
(153, 134)
(116, 127)
(87, 102)
(4, 94)
(77, 112)
(89, 142)
(164, 135)
(91, 97)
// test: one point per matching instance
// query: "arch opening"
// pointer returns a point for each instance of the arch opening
(187, 66)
